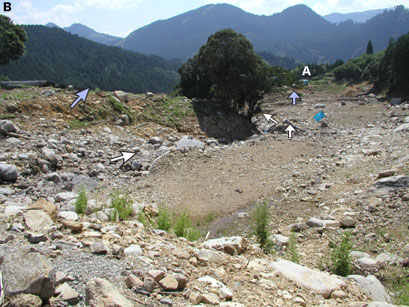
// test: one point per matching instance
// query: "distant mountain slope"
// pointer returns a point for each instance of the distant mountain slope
(355, 17)
(92, 35)
(297, 32)
(58, 56)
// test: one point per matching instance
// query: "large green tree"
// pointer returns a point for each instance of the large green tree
(228, 69)
(12, 38)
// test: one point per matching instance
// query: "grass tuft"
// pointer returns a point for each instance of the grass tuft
(121, 205)
(82, 201)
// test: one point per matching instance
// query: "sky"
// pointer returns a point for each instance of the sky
(121, 17)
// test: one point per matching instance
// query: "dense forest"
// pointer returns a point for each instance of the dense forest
(55, 55)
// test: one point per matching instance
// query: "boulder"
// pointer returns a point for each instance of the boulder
(315, 281)
(393, 182)
(65, 196)
(67, 294)
(8, 172)
(372, 287)
(25, 300)
(46, 206)
(208, 256)
(8, 126)
(189, 142)
(121, 95)
(28, 272)
(133, 250)
(100, 292)
(220, 243)
(37, 220)
(169, 283)
(99, 248)
(402, 128)
(68, 215)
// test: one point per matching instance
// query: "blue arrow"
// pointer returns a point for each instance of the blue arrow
(294, 96)
(81, 96)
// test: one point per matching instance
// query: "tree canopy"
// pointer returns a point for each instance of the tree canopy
(12, 38)
(228, 69)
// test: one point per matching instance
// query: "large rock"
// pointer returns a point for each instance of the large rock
(393, 182)
(402, 128)
(315, 281)
(28, 272)
(8, 126)
(208, 256)
(189, 142)
(221, 243)
(372, 287)
(133, 250)
(25, 300)
(101, 293)
(37, 220)
(50, 156)
(121, 95)
(46, 206)
(8, 172)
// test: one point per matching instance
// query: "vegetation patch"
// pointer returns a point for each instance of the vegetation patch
(78, 124)
(122, 207)
(82, 201)
(341, 259)
(261, 227)
(164, 222)
(184, 228)
(169, 111)
(119, 107)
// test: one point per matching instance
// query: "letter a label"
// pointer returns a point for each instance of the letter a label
(306, 71)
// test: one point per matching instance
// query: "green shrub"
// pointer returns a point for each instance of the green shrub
(121, 205)
(184, 228)
(81, 203)
(163, 221)
(182, 224)
(341, 259)
(292, 249)
(193, 234)
(261, 226)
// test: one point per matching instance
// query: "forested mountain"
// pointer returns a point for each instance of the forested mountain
(55, 55)
(355, 17)
(297, 32)
(92, 35)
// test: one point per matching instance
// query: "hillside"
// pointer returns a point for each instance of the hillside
(93, 35)
(297, 32)
(357, 17)
(55, 55)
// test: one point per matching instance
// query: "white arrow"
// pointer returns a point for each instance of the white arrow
(126, 156)
(269, 117)
(290, 129)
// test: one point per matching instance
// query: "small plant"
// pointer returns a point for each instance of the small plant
(182, 224)
(193, 234)
(209, 218)
(81, 203)
(163, 221)
(341, 259)
(184, 228)
(261, 227)
(399, 280)
(292, 249)
(77, 124)
(7, 116)
(121, 205)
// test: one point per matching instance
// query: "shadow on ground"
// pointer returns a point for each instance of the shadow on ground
(220, 122)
